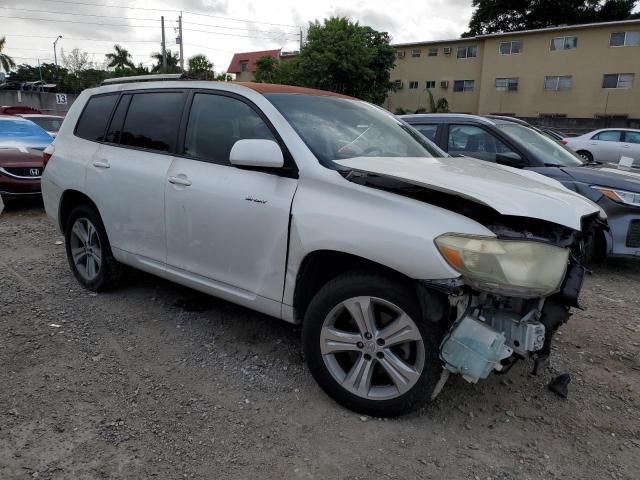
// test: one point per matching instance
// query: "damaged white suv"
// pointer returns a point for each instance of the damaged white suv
(402, 264)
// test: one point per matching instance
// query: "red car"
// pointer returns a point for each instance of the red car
(20, 171)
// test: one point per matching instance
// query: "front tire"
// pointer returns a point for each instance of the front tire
(369, 346)
(88, 250)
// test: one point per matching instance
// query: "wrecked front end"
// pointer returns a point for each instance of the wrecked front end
(515, 289)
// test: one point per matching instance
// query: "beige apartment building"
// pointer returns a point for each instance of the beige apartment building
(580, 71)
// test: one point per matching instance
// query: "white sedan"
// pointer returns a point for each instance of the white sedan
(607, 145)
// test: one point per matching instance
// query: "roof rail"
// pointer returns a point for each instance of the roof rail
(146, 78)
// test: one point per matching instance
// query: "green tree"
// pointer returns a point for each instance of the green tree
(491, 16)
(6, 62)
(76, 60)
(345, 57)
(120, 59)
(223, 77)
(267, 70)
(440, 106)
(173, 62)
(201, 68)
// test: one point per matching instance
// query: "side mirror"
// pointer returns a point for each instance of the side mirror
(510, 159)
(256, 153)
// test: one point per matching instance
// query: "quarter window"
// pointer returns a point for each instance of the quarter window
(475, 142)
(557, 83)
(618, 80)
(624, 39)
(467, 52)
(510, 48)
(93, 121)
(431, 84)
(433, 52)
(416, 52)
(608, 136)
(153, 121)
(463, 85)
(506, 84)
(564, 43)
(413, 85)
(216, 122)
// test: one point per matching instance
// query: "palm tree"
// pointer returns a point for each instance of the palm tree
(6, 62)
(119, 60)
(173, 60)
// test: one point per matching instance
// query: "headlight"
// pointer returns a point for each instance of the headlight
(508, 267)
(620, 196)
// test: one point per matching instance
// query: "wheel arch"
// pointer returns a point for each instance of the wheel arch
(71, 199)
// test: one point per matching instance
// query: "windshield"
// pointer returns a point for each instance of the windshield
(543, 147)
(338, 128)
(50, 124)
(14, 131)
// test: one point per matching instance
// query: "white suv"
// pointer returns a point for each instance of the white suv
(401, 264)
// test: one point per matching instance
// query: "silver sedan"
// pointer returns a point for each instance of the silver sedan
(607, 145)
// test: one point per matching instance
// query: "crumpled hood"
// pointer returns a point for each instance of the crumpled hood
(507, 190)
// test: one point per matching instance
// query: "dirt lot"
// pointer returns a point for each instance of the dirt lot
(135, 384)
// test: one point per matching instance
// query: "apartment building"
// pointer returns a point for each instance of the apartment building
(577, 72)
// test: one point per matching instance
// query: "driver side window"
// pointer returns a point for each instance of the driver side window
(475, 142)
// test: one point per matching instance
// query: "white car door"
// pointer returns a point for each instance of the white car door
(227, 227)
(127, 174)
(606, 145)
(631, 146)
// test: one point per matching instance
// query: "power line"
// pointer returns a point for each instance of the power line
(277, 37)
(78, 14)
(83, 23)
(84, 39)
(170, 10)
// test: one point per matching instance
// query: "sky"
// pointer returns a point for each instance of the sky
(216, 28)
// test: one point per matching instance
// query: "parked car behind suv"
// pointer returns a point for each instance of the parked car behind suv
(514, 142)
(607, 145)
(401, 265)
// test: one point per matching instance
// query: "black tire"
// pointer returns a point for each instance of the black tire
(586, 155)
(110, 270)
(401, 294)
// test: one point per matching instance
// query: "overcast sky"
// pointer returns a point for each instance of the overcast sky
(243, 25)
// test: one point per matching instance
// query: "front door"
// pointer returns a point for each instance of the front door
(227, 224)
(606, 145)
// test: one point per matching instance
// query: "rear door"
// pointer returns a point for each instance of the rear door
(227, 227)
(631, 146)
(127, 174)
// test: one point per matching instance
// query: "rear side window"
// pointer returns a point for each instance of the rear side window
(216, 122)
(95, 116)
(153, 120)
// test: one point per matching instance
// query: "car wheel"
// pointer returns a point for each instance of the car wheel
(88, 250)
(587, 156)
(369, 346)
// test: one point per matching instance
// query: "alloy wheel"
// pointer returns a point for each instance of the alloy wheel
(85, 249)
(372, 348)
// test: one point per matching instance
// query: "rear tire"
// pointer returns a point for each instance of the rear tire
(88, 250)
(386, 372)
(587, 156)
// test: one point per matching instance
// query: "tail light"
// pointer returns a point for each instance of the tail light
(46, 154)
(563, 141)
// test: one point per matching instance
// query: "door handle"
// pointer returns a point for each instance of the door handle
(626, 146)
(180, 180)
(592, 143)
(101, 164)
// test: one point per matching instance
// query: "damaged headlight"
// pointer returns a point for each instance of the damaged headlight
(508, 267)
(620, 196)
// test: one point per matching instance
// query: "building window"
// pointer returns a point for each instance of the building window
(416, 52)
(397, 84)
(433, 52)
(506, 84)
(510, 48)
(467, 52)
(618, 80)
(431, 84)
(463, 85)
(564, 43)
(556, 83)
(624, 39)
(413, 85)
(244, 65)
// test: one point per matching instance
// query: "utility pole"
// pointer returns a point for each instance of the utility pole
(40, 69)
(301, 39)
(181, 42)
(164, 47)
(55, 53)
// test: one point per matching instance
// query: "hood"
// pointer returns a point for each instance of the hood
(508, 191)
(20, 157)
(606, 176)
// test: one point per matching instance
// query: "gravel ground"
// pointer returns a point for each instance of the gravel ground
(136, 384)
